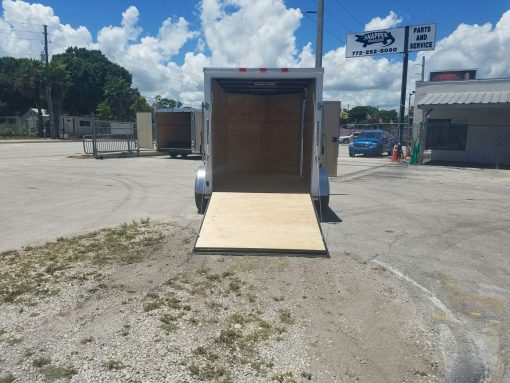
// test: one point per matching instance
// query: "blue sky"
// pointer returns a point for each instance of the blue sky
(166, 44)
(341, 16)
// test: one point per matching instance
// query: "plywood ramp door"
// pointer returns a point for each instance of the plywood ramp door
(261, 222)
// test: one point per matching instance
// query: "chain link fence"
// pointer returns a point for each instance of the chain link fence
(110, 137)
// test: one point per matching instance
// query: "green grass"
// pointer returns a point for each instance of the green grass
(87, 340)
(51, 372)
(113, 365)
(9, 378)
(41, 361)
(26, 274)
(286, 317)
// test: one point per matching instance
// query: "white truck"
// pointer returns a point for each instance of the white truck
(179, 131)
(263, 147)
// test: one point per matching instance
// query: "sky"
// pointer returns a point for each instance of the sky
(166, 44)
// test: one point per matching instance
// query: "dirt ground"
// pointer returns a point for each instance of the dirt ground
(144, 309)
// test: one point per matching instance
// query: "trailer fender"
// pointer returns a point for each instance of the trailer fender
(201, 200)
(323, 183)
(200, 180)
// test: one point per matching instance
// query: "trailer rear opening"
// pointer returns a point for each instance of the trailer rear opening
(174, 130)
(262, 138)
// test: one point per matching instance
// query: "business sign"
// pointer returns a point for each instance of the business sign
(375, 42)
(453, 75)
(421, 38)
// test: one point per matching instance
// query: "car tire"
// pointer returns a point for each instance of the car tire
(351, 154)
(345, 141)
(184, 155)
(173, 155)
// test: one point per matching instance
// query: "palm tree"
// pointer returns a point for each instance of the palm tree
(60, 82)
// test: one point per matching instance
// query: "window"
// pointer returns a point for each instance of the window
(443, 135)
(370, 135)
(84, 123)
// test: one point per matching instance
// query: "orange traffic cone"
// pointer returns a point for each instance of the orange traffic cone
(394, 154)
(408, 152)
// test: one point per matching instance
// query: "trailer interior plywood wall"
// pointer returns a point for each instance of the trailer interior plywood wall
(173, 129)
(256, 141)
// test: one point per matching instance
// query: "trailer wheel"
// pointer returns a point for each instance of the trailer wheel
(184, 155)
(322, 204)
(172, 154)
(201, 203)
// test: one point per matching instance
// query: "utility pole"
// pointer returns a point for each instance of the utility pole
(403, 87)
(48, 85)
(422, 68)
(320, 32)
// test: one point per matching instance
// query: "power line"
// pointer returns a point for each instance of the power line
(20, 22)
(338, 21)
(22, 38)
(17, 30)
(326, 29)
(350, 14)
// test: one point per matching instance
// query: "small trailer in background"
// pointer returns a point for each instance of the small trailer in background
(179, 131)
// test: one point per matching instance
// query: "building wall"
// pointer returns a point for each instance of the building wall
(488, 132)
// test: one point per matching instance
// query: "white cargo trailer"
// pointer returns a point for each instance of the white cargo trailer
(179, 131)
(262, 171)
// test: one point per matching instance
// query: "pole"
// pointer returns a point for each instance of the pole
(320, 27)
(404, 86)
(423, 68)
(48, 86)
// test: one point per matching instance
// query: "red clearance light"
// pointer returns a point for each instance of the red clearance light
(284, 69)
(242, 69)
(263, 70)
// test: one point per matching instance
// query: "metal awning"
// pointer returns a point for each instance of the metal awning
(465, 98)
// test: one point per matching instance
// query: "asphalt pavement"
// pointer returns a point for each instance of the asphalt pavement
(443, 233)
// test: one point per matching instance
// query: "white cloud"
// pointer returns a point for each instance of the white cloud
(390, 21)
(24, 36)
(483, 47)
(257, 33)
(253, 33)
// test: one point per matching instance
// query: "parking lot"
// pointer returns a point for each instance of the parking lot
(416, 288)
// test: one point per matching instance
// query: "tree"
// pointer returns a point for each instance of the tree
(121, 102)
(60, 81)
(362, 114)
(89, 72)
(166, 103)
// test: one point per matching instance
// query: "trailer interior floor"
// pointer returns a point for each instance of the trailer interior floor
(261, 223)
(262, 183)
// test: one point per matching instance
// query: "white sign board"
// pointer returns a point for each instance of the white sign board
(422, 37)
(375, 42)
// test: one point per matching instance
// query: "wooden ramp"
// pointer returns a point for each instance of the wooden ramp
(260, 223)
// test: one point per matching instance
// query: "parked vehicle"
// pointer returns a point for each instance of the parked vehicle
(179, 131)
(348, 139)
(372, 143)
(262, 133)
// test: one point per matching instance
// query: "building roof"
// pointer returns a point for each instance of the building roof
(34, 110)
(500, 97)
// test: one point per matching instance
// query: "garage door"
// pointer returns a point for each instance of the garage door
(261, 223)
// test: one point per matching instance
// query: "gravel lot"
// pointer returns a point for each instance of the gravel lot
(416, 288)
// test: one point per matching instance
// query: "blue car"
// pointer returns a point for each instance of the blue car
(372, 143)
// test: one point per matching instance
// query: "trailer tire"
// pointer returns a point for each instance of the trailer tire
(322, 204)
(201, 203)
(173, 155)
(184, 155)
